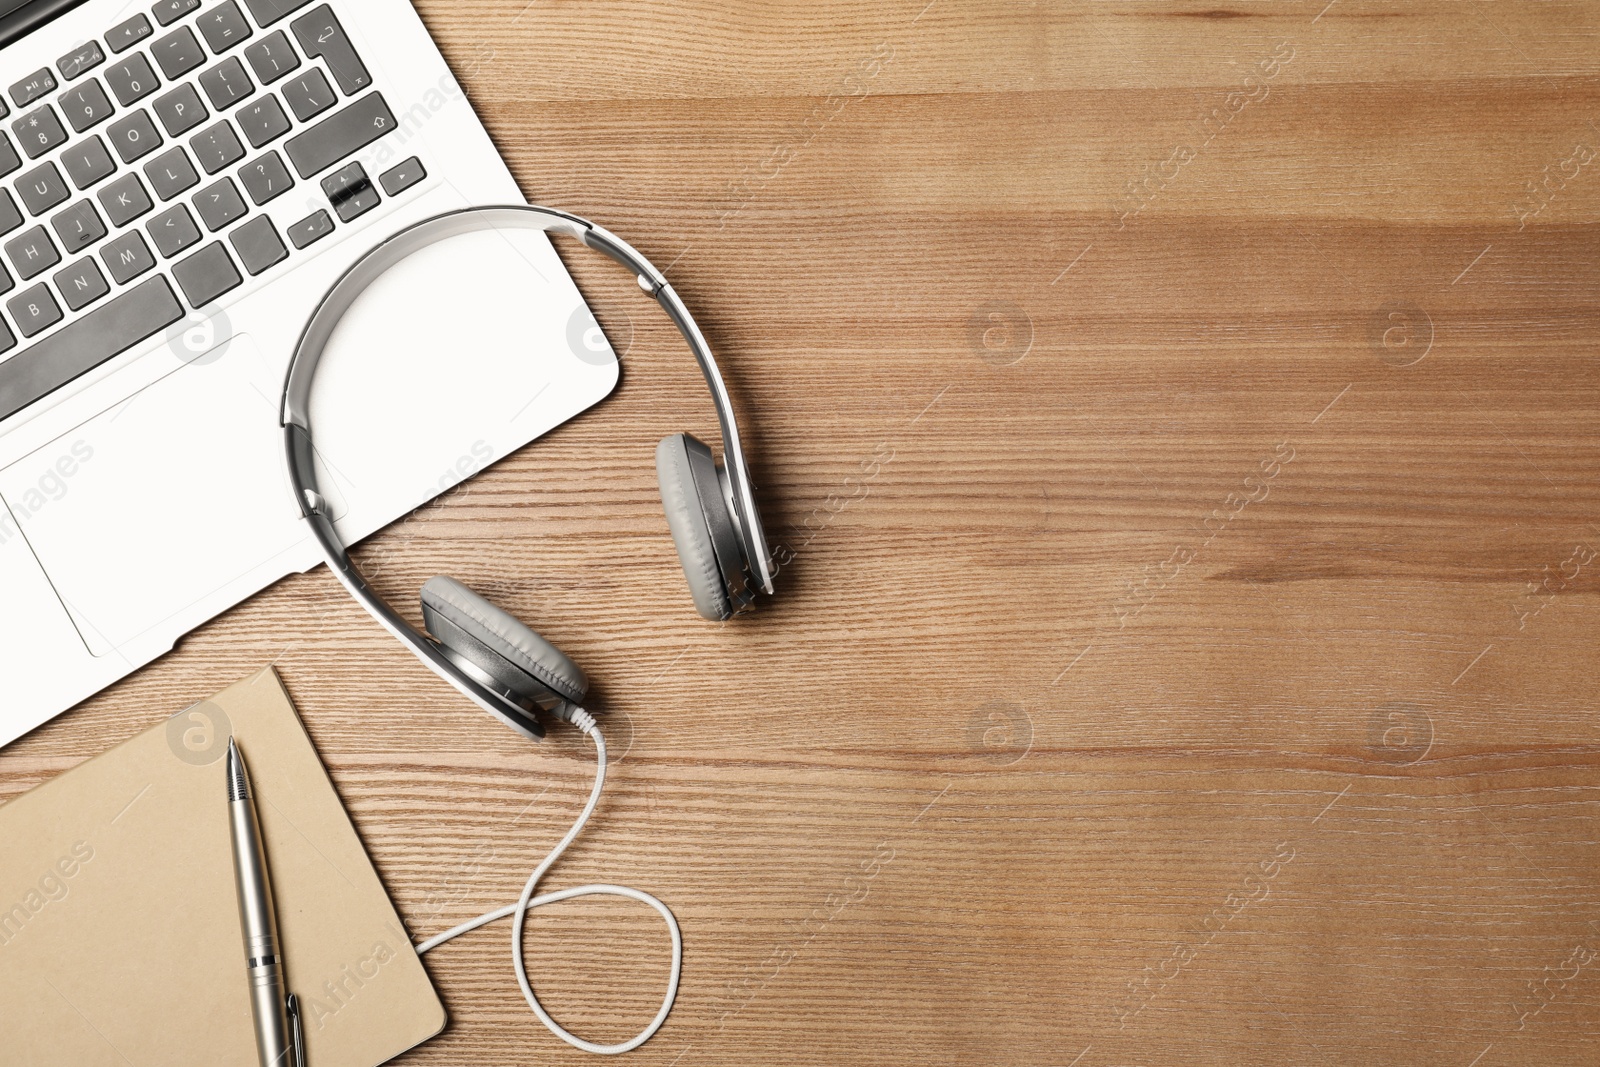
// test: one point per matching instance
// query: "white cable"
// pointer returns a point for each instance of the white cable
(585, 722)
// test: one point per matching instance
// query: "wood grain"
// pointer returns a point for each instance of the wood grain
(1203, 671)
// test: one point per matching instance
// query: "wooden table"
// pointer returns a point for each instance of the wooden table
(1179, 421)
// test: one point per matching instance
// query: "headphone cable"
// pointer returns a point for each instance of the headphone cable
(584, 722)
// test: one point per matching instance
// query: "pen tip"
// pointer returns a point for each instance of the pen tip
(238, 777)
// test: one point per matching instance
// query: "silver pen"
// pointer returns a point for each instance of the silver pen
(280, 1039)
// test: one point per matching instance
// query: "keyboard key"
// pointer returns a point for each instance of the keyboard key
(169, 11)
(308, 95)
(171, 173)
(262, 120)
(79, 226)
(81, 283)
(87, 162)
(258, 245)
(124, 35)
(320, 35)
(125, 200)
(266, 12)
(10, 217)
(34, 309)
(218, 204)
(402, 176)
(134, 136)
(39, 131)
(223, 27)
(33, 87)
(127, 257)
(217, 146)
(227, 83)
(348, 130)
(132, 79)
(80, 346)
(178, 53)
(313, 227)
(272, 57)
(85, 105)
(32, 251)
(173, 230)
(207, 274)
(180, 110)
(265, 178)
(9, 161)
(7, 341)
(42, 188)
(80, 61)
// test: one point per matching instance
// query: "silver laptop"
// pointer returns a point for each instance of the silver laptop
(179, 184)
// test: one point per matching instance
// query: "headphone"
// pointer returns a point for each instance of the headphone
(492, 658)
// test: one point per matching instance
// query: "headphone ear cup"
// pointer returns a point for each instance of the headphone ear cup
(702, 525)
(499, 645)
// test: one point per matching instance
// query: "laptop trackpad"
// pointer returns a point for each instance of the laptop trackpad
(128, 551)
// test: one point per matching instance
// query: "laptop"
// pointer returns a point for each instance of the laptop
(179, 185)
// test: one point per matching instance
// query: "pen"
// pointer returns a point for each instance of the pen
(280, 1041)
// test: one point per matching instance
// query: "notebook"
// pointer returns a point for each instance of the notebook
(119, 924)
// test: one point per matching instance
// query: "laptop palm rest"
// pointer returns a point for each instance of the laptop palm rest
(158, 513)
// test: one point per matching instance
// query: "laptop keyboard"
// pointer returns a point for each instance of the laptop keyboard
(131, 172)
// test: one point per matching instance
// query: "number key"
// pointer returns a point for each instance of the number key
(132, 79)
(39, 131)
(85, 105)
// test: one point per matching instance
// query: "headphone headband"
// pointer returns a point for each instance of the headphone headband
(295, 415)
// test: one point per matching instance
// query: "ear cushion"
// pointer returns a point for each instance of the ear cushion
(697, 515)
(470, 626)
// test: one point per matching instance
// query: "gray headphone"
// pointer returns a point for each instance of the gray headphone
(491, 657)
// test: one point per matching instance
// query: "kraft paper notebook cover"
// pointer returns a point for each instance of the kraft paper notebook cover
(119, 925)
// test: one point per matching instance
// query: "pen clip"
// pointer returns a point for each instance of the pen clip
(297, 1033)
